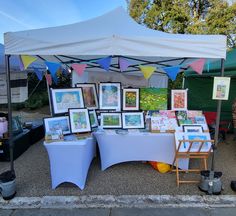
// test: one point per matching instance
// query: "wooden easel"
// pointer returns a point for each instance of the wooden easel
(199, 154)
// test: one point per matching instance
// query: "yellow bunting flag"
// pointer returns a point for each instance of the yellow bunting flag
(147, 71)
(27, 60)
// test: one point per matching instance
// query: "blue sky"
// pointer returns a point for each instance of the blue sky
(17, 15)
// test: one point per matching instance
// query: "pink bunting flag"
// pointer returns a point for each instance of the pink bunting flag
(79, 68)
(198, 65)
(48, 78)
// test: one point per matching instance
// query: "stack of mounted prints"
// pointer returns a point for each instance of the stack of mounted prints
(163, 121)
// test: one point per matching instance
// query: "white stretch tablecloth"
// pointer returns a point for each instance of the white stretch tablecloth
(117, 148)
(70, 160)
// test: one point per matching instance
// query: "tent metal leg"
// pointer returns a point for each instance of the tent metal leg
(219, 108)
(8, 79)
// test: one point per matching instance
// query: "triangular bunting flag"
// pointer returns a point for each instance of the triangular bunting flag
(27, 60)
(172, 72)
(79, 68)
(48, 78)
(104, 63)
(21, 64)
(38, 73)
(147, 71)
(198, 65)
(53, 68)
(124, 64)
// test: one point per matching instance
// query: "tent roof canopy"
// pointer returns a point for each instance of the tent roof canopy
(113, 33)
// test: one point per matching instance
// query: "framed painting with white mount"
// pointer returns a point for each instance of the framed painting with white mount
(79, 120)
(63, 99)
(110, 96)
(111, 120)
(54, 124)
(192, 128)
(130, 99)
(133, 120)
(179, 99)
(89, 94)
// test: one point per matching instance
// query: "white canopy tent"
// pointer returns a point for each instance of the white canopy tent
(113, 34)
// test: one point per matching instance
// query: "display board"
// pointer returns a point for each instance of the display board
(19, 88)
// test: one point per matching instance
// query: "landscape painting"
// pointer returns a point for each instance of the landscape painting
(63, 99)
(133, 120)
(153, 98)
(111, 120)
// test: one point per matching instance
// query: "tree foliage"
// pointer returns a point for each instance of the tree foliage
(187, 16)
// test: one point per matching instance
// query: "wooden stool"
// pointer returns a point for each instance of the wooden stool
(199, 154)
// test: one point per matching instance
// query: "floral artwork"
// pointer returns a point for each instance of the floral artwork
(109, 96)
(221, 88)
(132, 120)
(57, 124)
(90, 95)
(179, 99)
(153, 98)
(130, 99)
(111, 120)
(79, 120)
(63, 99)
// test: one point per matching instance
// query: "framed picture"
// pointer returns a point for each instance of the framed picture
(55, 124)
(192, 128)
(153, 98)
(79, 120)
(93, 118)
(196, 145)
(63, 99)
(89, 94)
(111, 120)
(179, 99)
(109, 96)
(130, 99)
(221, 88)
(133, 120)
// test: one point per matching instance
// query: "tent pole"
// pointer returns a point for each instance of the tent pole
(49, 98)
(8, 78)
(219, 108)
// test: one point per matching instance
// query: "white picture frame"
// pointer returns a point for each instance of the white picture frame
(63, 99)
(221, 88)
(79, 120)
(131, 98)
(179, 99)
(133, 120)
(110, 96)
